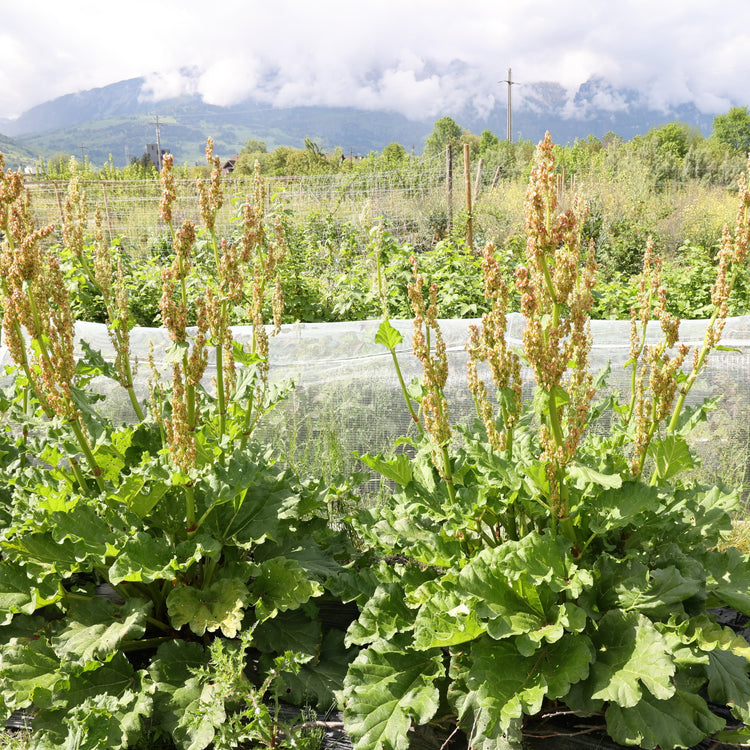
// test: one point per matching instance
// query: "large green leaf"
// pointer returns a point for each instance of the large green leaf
(250, 516)
(28, 672)
(16, 592)
(445, 619)
(115, 677)
(631, 654)
(503, 684)
(196, 727)
(297, 630)
(617, 508)
(728, 682)
(20, 593)
(280, 585)
(96, 629)
(93, 535)
(680, 721)
(219, 606)
(386, 690)
(397, 469)
(728, 578)
(317, 681)
(671, 456)
(148, 558)
(174, 673)
(667, 587)
(105, 720)
(384, 614)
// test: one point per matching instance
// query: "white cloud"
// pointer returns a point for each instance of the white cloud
(421, 57)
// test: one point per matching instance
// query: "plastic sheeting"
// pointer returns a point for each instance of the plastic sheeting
(343, 378)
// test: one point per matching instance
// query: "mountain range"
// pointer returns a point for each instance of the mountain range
(118, 120)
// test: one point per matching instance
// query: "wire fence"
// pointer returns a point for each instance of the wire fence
(131, 207)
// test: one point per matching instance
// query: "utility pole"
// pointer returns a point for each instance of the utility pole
(83, 156)
(510, 82)
(158, 143)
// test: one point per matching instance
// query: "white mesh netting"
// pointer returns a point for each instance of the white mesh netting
(346, 385)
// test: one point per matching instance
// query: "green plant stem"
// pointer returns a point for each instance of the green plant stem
(448, 472)
(88, 453)
(190, 509)
(405, 392)
(79, 476)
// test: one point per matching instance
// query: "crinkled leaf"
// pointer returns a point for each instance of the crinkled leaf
(16, 594)
(197, 726)
(83, 641)
(505, 684)
(631, 654)
(252, 515)
(143, 558)
(294, 630)
(114, 677)
(148, 558)
(493, 685)
(671, 456)
(20, 594)
(318, 681)
(728, 578)
(28, 672)
(173, 671)
(728, 682)
(709, 635)
(388, 336)
(281, 584)
(105, 720)
(680, 721)
(42, 552)
(666, 588)
(319, 561)
(617, 508)
(139, 495)
(384, 614)
(585, 475)
(385, 690)
(420, 538)
(397, 469)
(219, 606)
(90, 533)
(445, 619)
(516, 585)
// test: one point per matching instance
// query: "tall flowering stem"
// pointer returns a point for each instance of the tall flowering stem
(264, 252)
(182, 423)
(35, 299)
(488, 344)
(434, 360)
(660, 385)
(556, 295)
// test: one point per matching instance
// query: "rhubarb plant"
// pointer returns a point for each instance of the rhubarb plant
(537, 563)
(136, 558)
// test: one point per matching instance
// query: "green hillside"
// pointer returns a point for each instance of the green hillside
(15, 155)
(184, 125)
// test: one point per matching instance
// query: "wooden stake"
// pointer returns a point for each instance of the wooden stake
(478, 178)
(449, 186)
(467, 188)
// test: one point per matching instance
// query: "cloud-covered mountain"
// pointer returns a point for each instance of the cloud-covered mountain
(120, 119)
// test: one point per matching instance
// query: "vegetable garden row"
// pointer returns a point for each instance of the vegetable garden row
(168, 572)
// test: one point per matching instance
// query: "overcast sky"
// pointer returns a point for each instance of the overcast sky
(423, 58)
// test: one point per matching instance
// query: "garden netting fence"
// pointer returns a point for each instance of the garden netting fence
(346, 395)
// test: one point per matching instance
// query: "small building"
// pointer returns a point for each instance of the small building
(227, 167)
(156, 153)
